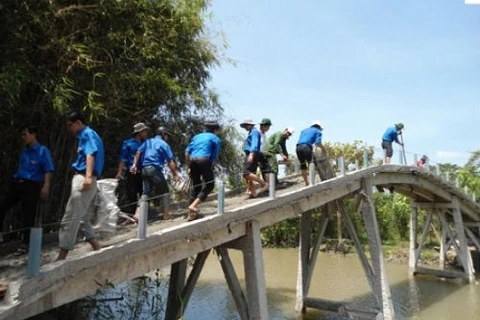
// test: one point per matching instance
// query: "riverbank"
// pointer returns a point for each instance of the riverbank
(395, 253)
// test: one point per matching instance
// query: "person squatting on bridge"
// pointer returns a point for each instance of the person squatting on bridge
(88, 166)
(309, 138)
(133, 182)
(390, 135)
(422, 162)
(151, 157)
(200, 156)
(29, 184)
(263, 164)
(276, 144)
(250, 166)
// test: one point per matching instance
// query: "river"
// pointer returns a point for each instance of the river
(336, 277)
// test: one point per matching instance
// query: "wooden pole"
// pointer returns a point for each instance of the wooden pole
(254, 272)
(465, 256)
(177, 282)
(232, 281)
(382, 292)
(412, 261)
(303, 259)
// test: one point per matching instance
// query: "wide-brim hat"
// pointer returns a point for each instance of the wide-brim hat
(400, 125)
(290, 130)
(317, 123)
(247, 122)
(162, 130)
(266, 121)
(139, 127)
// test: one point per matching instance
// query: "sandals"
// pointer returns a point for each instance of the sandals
(192, 214)
(250, 196)
(3, 291)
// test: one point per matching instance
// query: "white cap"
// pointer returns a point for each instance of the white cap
(290, 130)
(317, 123)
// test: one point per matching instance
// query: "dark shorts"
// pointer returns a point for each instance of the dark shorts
(387, 146)
(263, 163)
(250, 167)
(304, 155)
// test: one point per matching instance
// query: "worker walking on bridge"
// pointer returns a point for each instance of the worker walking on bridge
(252, 150)
(310, 137)
(391, 135)
(88, 166)
(276, 144)
(200, 156)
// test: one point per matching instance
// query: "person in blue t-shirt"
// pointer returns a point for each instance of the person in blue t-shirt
(151, 157)
(200, 155)
(88, 166)
(133, 182)
(310, 137)
(30, 183)
(252, 150)
(391, 135)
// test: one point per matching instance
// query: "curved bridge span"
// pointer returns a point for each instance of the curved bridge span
(239, 228)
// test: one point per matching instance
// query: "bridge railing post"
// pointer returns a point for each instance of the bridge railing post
(296, 166)
(221, 197)
(365, 157)
(311, 173)
(271, 186)
(34, 251)
(143, 217)
(341, 165)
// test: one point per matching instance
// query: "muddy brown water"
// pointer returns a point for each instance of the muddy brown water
(336, 277)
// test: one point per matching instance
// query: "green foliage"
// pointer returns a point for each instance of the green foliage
(353, 152)
(121, 62)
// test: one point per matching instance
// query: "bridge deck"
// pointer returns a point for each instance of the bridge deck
(168, 242)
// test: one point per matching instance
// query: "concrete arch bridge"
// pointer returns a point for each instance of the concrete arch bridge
(238, 228)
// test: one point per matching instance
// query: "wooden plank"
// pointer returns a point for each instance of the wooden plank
(177, 281)
(448, 274)
(323, 304)
(255, 273)
(303, 260)
(232, 282)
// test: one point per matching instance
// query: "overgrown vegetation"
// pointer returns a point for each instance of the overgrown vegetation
(120, 62)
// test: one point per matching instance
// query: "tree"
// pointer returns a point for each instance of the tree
(119, 61)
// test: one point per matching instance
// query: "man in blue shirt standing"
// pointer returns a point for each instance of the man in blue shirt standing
(390, 135)
(310, 137)
(133, 182)
(152, 156)
(88, 166)
(200, 155)
(250, 166)
(30, 183)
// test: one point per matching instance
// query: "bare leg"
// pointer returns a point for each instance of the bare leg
(62, 254)
(305, 177)
(387, 160)
(95, 244)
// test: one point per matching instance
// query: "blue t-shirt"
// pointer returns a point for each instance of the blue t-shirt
(89, 143)
(129, 148)
(253, 142)
(204, 145)
(310, 136)
(391, 134)
(34, 163)
(155, 152)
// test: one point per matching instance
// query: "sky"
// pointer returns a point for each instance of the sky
(358, 67)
